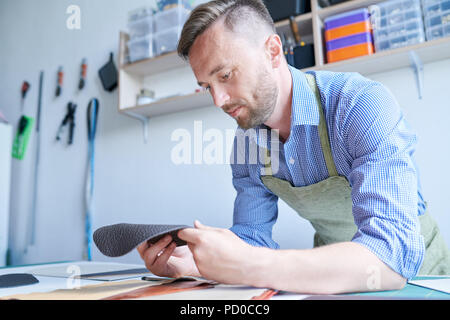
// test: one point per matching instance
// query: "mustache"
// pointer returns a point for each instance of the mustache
(233, 105)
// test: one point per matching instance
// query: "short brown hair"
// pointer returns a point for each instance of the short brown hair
(232, 11)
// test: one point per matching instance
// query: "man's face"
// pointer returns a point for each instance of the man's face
(236, 73)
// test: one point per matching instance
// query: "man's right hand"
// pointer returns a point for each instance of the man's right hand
(165, 259)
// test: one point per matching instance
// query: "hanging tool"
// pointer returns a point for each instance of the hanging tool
(288, 48)
(82, 74)
(32, 220)
(22, 137)
(303, 54)
(69, 119)
(294, 28)
(59, 83)
(92, 115)
(24, 90)
(24, 127)
(108, 74)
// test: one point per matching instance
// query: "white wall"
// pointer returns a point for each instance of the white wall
(137, 182)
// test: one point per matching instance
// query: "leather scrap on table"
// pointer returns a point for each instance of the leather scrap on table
(162, 289)
(119, 239)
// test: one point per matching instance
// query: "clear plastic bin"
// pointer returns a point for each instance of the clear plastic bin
(438, 19)
(141, 27)
(141, 48)
(435, 7)
(393, 19)
(139, 13)
(388, 13)
(167, 19)
(167, 41)
(397, 30)
(400, 41)
(439, 31)
(168, 4)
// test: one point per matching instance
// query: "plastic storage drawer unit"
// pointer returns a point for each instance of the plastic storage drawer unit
(139, 13)
(436, 16)
(348, 35)
(140, 27)
(167, 41)
(175, 17)
(438, 32)
(168, 4)
(396, 23)
(140, 48)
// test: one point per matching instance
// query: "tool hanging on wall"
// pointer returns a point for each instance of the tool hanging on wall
(92, 115)
(83, 72)
(25, 87)
(22, 137)
(32, 219)
(108, 74)
(69, 119)
(59, 83)
(24, 127)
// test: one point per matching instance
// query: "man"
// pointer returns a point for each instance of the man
(345, 163)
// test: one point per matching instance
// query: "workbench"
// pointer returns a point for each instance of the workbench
(51, 283)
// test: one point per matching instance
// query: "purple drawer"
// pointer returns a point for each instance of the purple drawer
(346, 18)
(349, 41)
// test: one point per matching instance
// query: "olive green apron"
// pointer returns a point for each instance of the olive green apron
(327, 205)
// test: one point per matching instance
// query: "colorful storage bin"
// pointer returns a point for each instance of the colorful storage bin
(348, 35)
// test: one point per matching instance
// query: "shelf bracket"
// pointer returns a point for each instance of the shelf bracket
(417, 66)
(144, 121)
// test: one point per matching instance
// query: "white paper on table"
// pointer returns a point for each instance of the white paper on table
(440, 284)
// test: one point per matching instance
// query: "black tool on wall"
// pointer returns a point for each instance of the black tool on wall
(69, 119)
(108, 74)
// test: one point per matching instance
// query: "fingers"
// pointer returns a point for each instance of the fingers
(141, 248)
(199, 225)
(151, 252)
(162, 258)
(190, 235)
(195, 235)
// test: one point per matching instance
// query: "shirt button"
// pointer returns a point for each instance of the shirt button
(291, 161)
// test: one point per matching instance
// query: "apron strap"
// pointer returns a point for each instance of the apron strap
(267, 163)
(323, 131)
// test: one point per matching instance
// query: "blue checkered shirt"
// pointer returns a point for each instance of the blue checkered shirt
(372, 146)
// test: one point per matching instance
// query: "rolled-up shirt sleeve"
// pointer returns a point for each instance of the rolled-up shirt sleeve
(384, 180)
(255, 207)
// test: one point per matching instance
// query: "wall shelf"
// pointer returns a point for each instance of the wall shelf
(384, 61)
(172, 104)
(311, 28)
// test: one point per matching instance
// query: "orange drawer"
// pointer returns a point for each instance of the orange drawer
(350, 29)
(350, 52)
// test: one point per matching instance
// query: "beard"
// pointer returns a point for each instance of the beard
(264, 96)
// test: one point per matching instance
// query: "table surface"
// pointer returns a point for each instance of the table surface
(48, 283)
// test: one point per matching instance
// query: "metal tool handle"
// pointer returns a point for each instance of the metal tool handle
(294, 28)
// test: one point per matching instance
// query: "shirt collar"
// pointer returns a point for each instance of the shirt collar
(304, 110)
